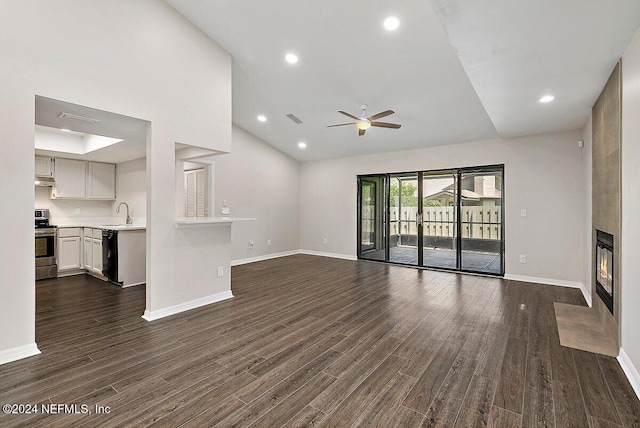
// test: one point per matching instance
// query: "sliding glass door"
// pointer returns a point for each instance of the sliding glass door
(403, 218)
(440, 217)
(447, 219)
(372, 241)
(481, 207)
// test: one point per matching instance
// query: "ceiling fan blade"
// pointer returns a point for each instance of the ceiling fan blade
(381, 115)
(386, 125)
(349, 114)
(341, 124)
(361, 132)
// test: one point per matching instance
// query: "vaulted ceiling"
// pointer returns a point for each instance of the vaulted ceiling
(454, 71)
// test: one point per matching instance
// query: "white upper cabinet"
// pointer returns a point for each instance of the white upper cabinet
(44, 166)
(78, 179)
(71, 182)
(101, 181)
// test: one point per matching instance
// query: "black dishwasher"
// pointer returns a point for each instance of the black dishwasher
(110, 254)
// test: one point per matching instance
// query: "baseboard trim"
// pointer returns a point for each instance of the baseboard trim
(630, 370)
(551, 281)
(248, 260)
(586, 294)
(332, 255)
(187, 306)
(19, 353)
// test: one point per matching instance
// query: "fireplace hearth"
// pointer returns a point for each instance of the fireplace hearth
(604, 268)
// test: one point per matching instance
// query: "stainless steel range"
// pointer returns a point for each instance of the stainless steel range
(46, 246)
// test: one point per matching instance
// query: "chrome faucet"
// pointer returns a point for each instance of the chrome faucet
(126, 205)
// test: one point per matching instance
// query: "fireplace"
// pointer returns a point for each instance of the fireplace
(604, 268)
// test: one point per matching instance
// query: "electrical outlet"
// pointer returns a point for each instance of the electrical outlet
(268, 242)
(220, 271)
(523, 213)
(250, 244)
(523, 258)
(77, 211)
(225, 210)
(324, 241)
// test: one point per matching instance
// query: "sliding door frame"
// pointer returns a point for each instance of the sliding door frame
(371, 177)
(479, 169)
(420, 224)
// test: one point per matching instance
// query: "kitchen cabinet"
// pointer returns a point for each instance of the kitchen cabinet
(97, 256)
(78, 179)
(87, 252)
(44, 166)
(93, 251)
(101, 181)
(69, 250)
(70, 175)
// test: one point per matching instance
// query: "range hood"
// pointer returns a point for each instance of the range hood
(44, 181)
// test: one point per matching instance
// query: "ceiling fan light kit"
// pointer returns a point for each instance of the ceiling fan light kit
(364, 122)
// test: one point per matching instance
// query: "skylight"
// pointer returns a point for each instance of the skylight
(65, 141)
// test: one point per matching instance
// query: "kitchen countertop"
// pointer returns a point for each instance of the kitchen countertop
(101, 223)
(208, 221)
(119, 226)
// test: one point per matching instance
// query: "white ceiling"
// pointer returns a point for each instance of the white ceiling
(132, 131)
(516, 51)
(465, 71)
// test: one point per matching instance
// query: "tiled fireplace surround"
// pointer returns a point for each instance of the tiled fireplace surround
(597, 329)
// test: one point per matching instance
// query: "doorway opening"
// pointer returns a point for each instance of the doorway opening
(89, 163)
(445, 219)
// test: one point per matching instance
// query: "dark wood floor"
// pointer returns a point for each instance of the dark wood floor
(313, 341)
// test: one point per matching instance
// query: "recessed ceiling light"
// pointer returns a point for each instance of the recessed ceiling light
(262, 118)
(391, 23)
(291, 58)
(302, 145)
(65, 130)
(546, 98)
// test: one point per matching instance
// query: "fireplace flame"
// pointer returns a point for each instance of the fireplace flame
(604, 268)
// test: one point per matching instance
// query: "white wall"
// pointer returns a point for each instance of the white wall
(543, 174)
(630, 273)
(131, 187)
(258, 181)
(140, 59)
(65, 208)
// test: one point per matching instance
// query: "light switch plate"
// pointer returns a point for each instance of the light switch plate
(220, 271)
(225, 210)
(523, 213)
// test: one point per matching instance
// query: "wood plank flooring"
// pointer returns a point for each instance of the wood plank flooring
(313, 341)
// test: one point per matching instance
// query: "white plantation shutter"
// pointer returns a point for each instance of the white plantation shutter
(190, 194)
(195, 185)
(200, 193)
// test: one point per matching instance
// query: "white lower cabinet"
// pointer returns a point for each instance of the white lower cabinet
(97, 255)
(69, 249)
(93, 250)
(88, 252)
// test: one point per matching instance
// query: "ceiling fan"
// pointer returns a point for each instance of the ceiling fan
(363, 122)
